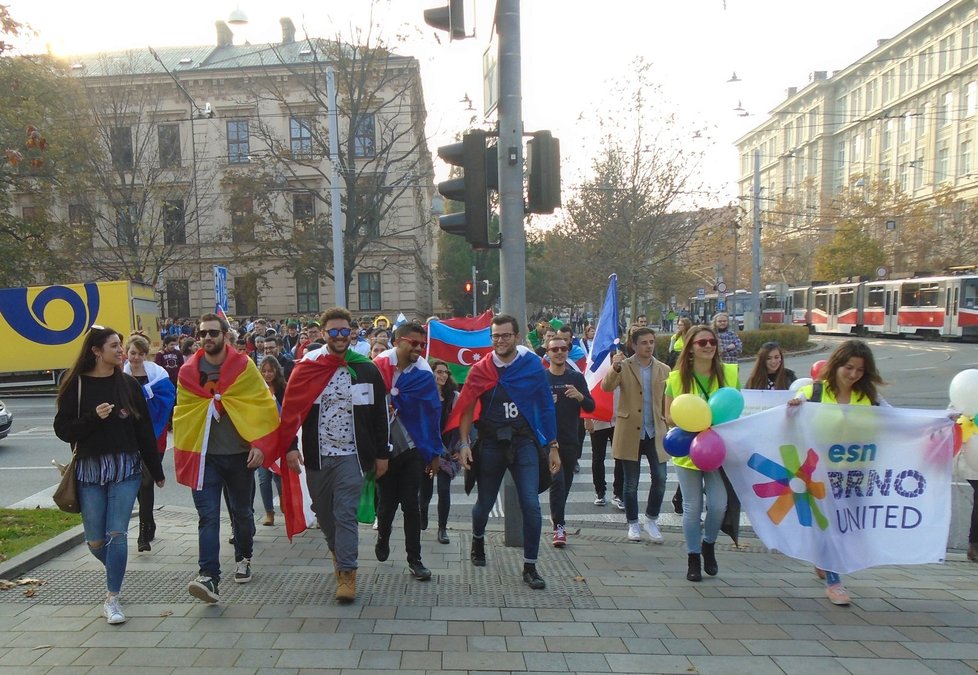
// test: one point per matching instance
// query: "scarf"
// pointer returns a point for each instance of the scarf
(160, 395)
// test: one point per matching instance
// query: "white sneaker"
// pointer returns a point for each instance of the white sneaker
(652, 528)
(242, 571)
(618, 502)
(599, 501)
(112, 611)
(634, 532)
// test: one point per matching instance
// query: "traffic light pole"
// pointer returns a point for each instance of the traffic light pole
(475, 291)
(512, 255)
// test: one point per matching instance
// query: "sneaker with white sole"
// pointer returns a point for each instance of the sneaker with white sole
(112, 611)
(560, 537)
(837, 594)
(204, 588)
(599, 500)
(242, 571)
(652, 529)
(634, 532)
(617, 501)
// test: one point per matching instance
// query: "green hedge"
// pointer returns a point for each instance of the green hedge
(791, 338)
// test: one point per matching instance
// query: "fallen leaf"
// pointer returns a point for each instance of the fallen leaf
(166, 612)
(30, 592)
(30, 582)
(6, 585)
(579, 578)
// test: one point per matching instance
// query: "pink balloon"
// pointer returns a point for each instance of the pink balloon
(817, 369)
(708, 450)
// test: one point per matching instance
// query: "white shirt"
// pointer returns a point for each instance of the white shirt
(336, 437)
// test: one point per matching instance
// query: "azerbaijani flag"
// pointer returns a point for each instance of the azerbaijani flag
(460, 348)
(605, 343)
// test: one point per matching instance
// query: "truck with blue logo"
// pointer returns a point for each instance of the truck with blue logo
(42, 327)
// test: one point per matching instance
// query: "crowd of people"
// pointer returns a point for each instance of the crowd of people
(344, 401)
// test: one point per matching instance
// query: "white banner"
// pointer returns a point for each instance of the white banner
(756, 400)
(845, 487)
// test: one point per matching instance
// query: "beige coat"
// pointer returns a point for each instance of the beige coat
(628, 424)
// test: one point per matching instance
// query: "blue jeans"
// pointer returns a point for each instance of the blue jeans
(526, 474)
(232, 472)
(832, 578)
(105, 512)
(265, 479)
(657, 491)
(696, 485)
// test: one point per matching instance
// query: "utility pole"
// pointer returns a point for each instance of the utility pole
(339, 264)
(475, 292)
(755, 276)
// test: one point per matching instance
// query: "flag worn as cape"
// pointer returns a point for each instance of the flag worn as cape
(309, 377)
(160, 395)
(525, 382)
(603, 347)
(240, 393)
(414, 396)
(459, 348)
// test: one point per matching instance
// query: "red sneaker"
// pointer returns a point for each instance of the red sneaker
(560, 537)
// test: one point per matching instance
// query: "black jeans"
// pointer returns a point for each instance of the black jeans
(973, 534)
(599, 451)
(562, 482)
(400, 485)
(444, 496)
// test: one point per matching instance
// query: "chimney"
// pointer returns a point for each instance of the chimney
(288, 30)
(816, 75)
(881, 42)
(790, 91)
(225, 38)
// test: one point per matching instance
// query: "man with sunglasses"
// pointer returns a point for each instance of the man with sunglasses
(571, 395)
(640, 380)
(336, 400)
(224, 427)
(517, 424)
(415, 413)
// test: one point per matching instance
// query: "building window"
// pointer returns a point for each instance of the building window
(364, 139)
(174, 223)
(120, 146)
(887, 86)
(300, 137)
(925, 66)
(368, 201)
(238, 142)
(946, 51)
(906, 129)
(887, 134)
(177, 298)
(964, 159)
(904, 167)
(79, 215)
(30, 213)
(870, 95)
(307, 293)
(127, 226)
(943, 163)
(906, 76)
(944, 110)
(970, 98)
(168, 136)
(922, 121)
(246, 295)
(242, 219)
(368, 284)
(303, 211)
(969, 41)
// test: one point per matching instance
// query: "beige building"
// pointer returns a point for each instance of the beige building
(904, 113)
(220, 157)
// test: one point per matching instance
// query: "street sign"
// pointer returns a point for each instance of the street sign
(721, 287)
(700, 293)
(721, 306)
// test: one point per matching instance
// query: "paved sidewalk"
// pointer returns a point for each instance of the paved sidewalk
(609, 606)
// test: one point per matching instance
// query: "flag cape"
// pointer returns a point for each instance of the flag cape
(309, 377)
(484, 320)
(241, 394)
(598, 361)
(459, 348)
(160, 395)
(845, 487)
(415, 398)
(524, 381)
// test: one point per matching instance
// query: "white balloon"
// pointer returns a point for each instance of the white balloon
(799, 383)
(963, 392)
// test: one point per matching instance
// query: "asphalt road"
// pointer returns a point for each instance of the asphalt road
(917, 374)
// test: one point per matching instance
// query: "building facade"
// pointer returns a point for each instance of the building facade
(220, 156)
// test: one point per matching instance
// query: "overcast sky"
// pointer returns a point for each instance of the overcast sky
(571, 48)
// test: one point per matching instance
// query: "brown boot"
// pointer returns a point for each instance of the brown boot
(346, 586)
(973, 552)
(269, 518)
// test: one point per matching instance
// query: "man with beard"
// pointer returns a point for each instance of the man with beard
(516, 423)
(338, 399)
(225, 424)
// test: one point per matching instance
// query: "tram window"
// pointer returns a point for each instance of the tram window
(970, 300)
(798, 299)
(911, 295)
(929, 296)
(821, 300)
(847, 299)
(876, 297)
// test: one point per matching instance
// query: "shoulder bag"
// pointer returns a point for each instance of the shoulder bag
(66, 495)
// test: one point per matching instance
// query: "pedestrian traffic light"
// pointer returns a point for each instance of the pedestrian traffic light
(543, 170)
(450, 18)
(467, 288)
(479, 175)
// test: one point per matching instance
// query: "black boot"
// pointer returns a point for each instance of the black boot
(478, 554)
(710, 559)
(442, 535)
(694, 573)
(424, 517)
(151, 530)
(142, 543)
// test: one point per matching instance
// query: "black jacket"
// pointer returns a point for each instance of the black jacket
(371, 430)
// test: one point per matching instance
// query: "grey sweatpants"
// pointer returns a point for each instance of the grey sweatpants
(335, 491)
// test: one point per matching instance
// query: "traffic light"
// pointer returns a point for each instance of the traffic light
(450, 18)
(480, 174)
(467, 287)
(543, 169)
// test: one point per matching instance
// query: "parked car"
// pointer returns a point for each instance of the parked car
(6, 420)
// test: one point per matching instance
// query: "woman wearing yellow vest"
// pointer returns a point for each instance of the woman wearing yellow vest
(700, 371)
(676, 342)
(850, 377)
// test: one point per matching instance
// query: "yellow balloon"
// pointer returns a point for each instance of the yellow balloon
(691, 413)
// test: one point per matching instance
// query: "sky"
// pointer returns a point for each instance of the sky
(571, 50)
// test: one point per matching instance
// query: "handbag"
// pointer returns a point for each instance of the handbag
(367, 508)
(66, 494)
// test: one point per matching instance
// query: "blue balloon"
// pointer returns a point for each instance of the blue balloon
(726, 404)
(677, 441)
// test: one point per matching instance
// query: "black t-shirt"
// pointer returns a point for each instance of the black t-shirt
(499, 410)
(569, 410)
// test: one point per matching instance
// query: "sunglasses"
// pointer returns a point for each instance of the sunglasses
(415, 343)
(338, 332)
(211, 333)
(705, 342)
(557, 349)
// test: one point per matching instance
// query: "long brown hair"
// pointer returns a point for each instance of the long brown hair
(685, 363)
(96, 337)
(758, 377)
(871, 376)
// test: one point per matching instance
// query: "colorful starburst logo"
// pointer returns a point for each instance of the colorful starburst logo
(792, 486)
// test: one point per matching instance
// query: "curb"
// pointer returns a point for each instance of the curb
(43, 552)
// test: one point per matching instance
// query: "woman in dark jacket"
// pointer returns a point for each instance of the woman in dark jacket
(103, 414)
(448, 393)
